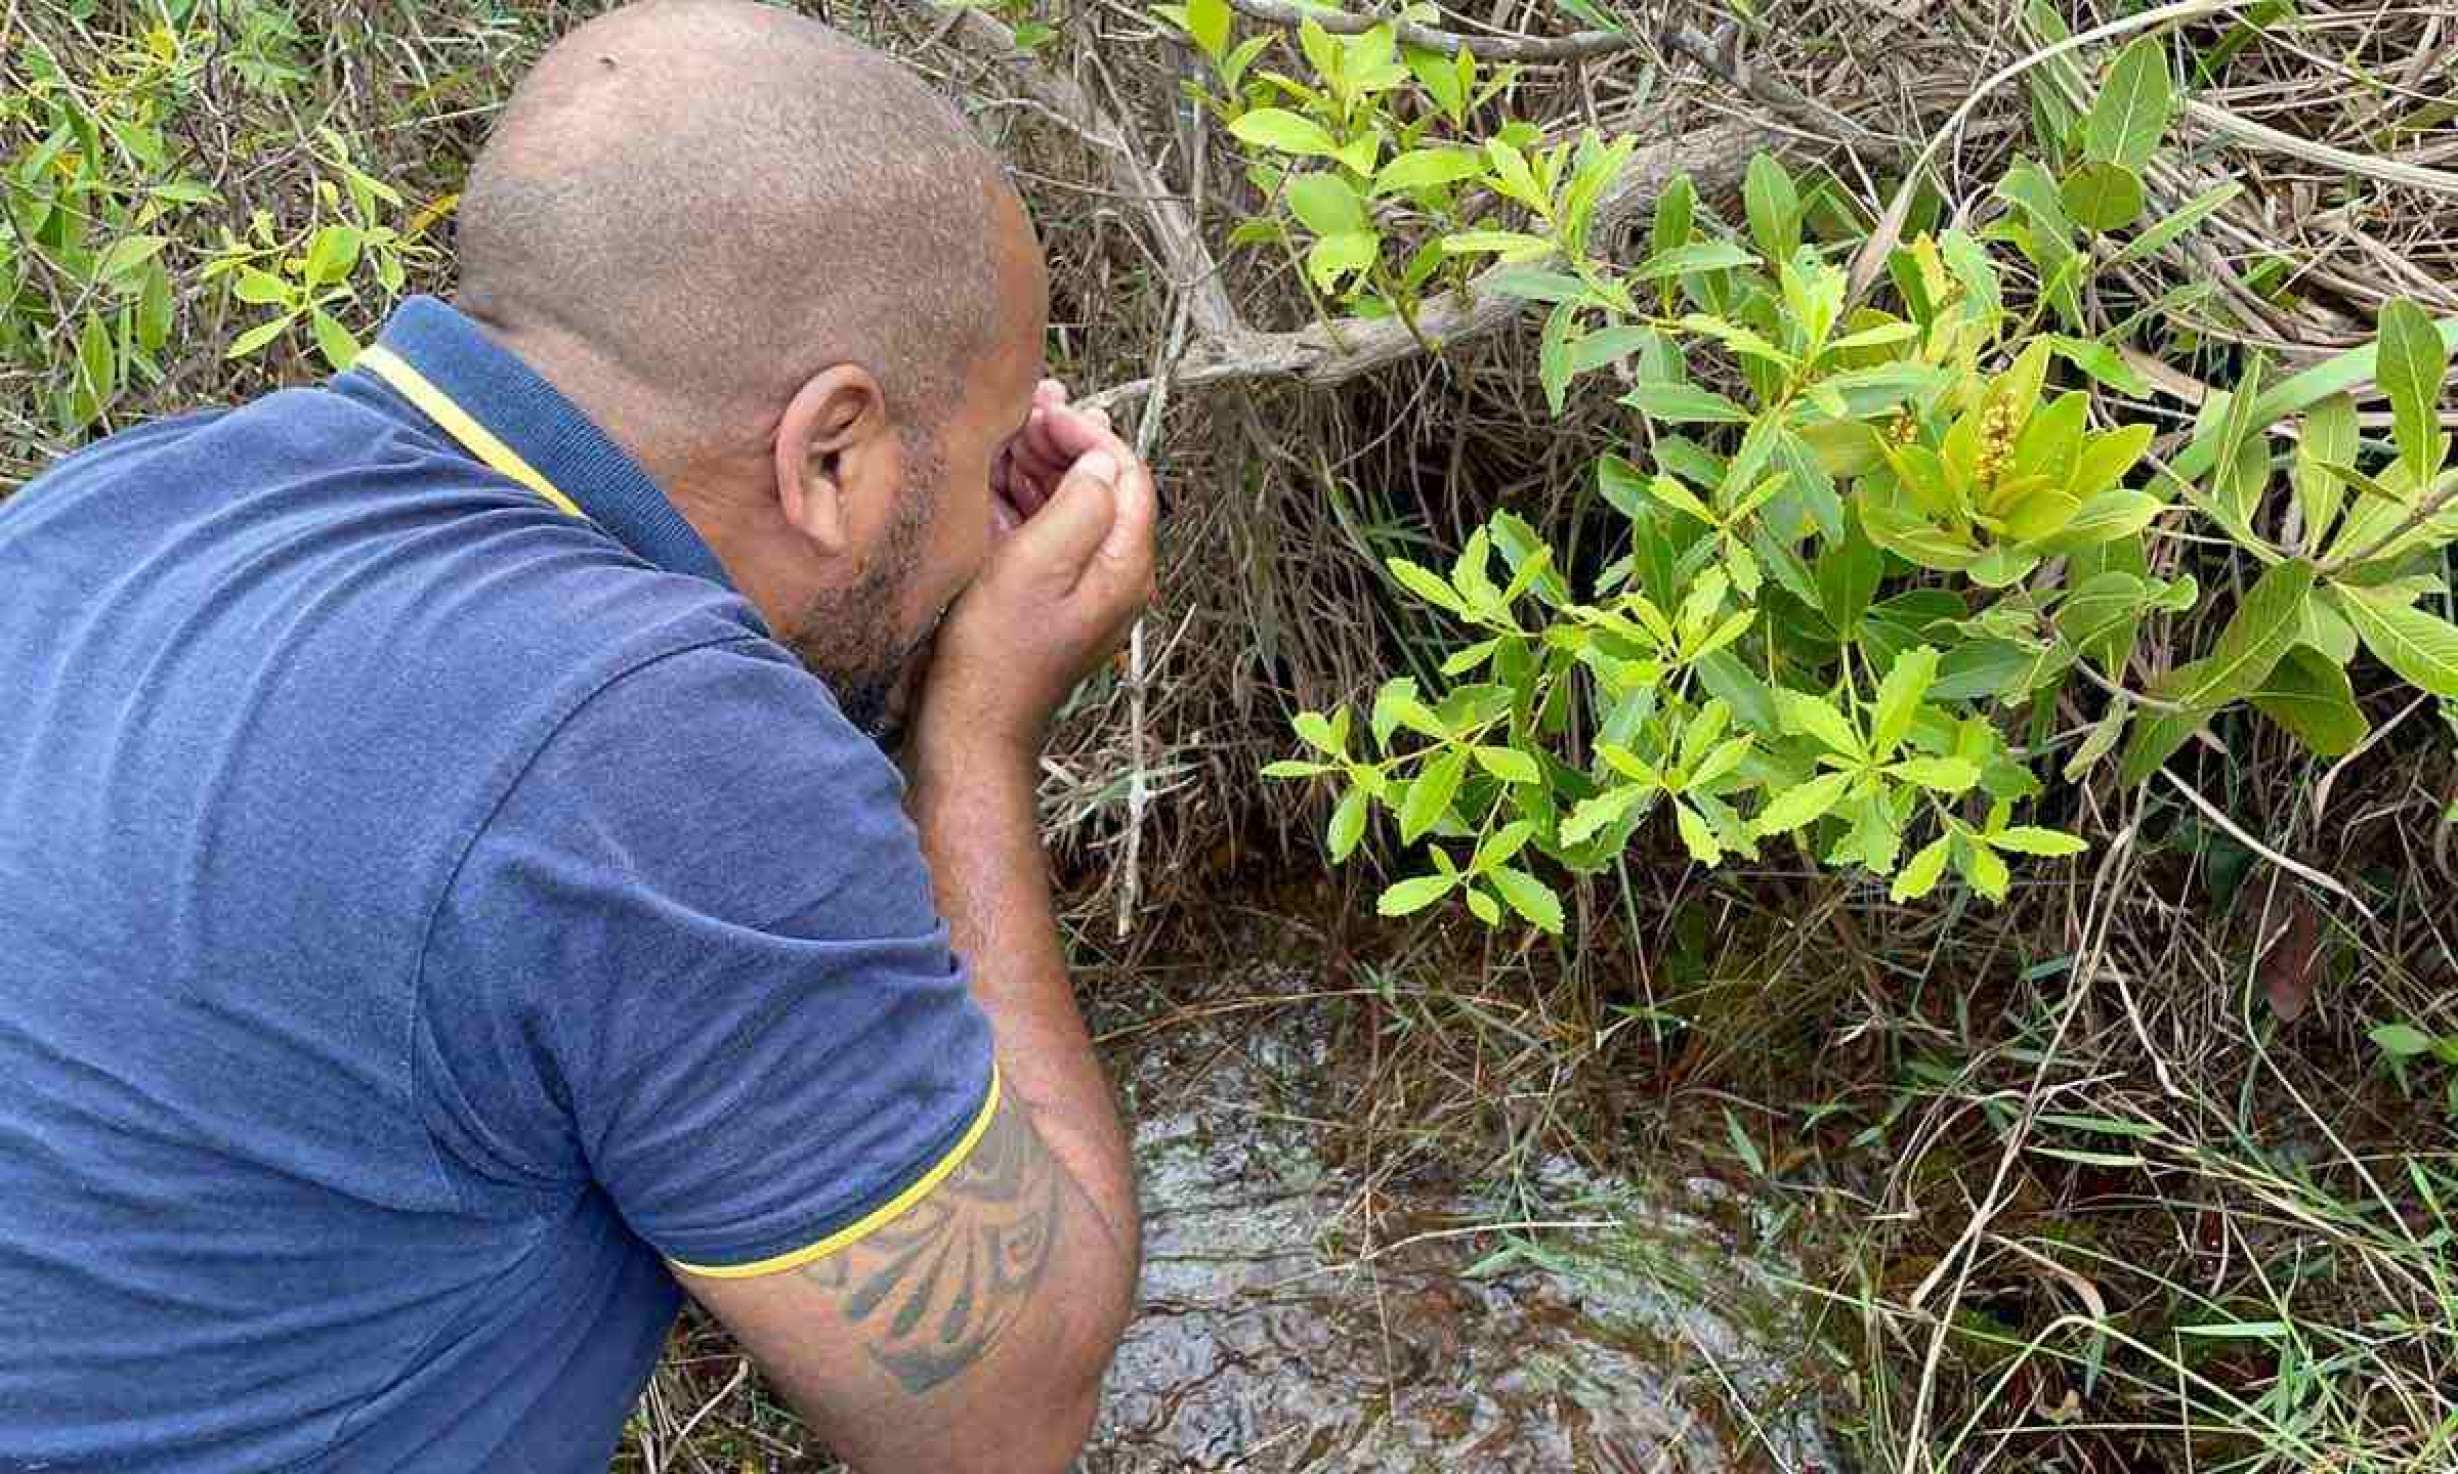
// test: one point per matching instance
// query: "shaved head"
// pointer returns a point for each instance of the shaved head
(714, 199)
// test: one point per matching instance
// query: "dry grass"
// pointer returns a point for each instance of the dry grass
(2073, 1194)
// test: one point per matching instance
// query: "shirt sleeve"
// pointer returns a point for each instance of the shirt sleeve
(694, 958)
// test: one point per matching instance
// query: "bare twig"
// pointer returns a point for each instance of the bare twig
(2218, 816)
(1139, 782)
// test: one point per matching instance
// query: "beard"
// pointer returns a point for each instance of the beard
(853, 639)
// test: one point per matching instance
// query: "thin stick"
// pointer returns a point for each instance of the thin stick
(1139, 774)
(2216, 815)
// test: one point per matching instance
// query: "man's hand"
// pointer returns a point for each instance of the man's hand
(1060, 588)
(1037, 456)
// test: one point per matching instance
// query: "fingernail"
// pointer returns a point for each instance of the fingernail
(1101, 466)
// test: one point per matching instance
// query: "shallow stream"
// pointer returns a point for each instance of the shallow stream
(1281, 1331)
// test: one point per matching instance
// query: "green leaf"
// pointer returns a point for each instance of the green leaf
(1743, 1147)
(1429, 796)
(1983, 869)
(1347, 826)
(1774, 207)
(1318, 732)
(1848, 573)
(2401, 1041)
(2170, 227)
(1326, 203)
(154, 308)
(2329, 439)
(1389, 700)
(1207, 22)
(2264, 625)
(2349, 370)
(1528, 896)
(2131, 112)
(1899, 696)
(1681, 499)
(2099, 606)
(1336, 255)
(332, 254)
(1553, 355)
(1815, 716)
(1715, 765)
(97, 362)
(1801, 803)
(1414, 894)
(1509, 764)
(1499, 846)
(1233, 66)
(2309, 695)
(2420, 647)
(1592, 816)
(1697, 835)
(1443, 80)
(1692, 256)
(1950, 775)
(1283, 131)
(1684, 404)
(259, 288)
(1676, 207)
(2105, 365)
(333, 340)
(124, 258)
(2100, 741)
(2158, 734)
(1424, 168)
(1509, 245)
(258, 336)
(1611, 345)
(1426, 584)
(2106, 197)
(2104, 518)
(1920, 874)
(2410, 368)
(1483, 907)
(2026, 839)
(1980, 669)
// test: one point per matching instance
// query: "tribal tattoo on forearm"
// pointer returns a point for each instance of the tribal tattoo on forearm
(940, 1284)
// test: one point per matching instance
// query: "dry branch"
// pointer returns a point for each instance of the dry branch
(1327, 354)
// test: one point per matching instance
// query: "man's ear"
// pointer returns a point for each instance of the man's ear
(834, 446)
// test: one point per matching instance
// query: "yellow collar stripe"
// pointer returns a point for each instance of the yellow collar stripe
(457, 422)
(871, 1222)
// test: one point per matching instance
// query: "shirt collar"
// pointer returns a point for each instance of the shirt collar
(503, 412)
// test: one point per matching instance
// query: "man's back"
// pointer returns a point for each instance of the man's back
(317, 1106)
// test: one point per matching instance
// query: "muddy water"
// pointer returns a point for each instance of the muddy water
(1283, 1332)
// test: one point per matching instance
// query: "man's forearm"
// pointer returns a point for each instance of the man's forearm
(974, 808)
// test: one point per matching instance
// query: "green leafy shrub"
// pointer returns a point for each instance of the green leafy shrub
(110, 222)
(1866, 540)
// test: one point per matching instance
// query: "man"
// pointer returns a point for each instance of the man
(442, 910)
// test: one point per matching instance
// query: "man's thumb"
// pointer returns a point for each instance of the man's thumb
(1071, 526)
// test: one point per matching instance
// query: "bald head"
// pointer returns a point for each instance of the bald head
(714, 199)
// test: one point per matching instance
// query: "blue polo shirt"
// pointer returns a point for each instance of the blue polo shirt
(429, 903)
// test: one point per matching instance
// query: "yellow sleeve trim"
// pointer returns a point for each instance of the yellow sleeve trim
(457, 422)
(871, 1222)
